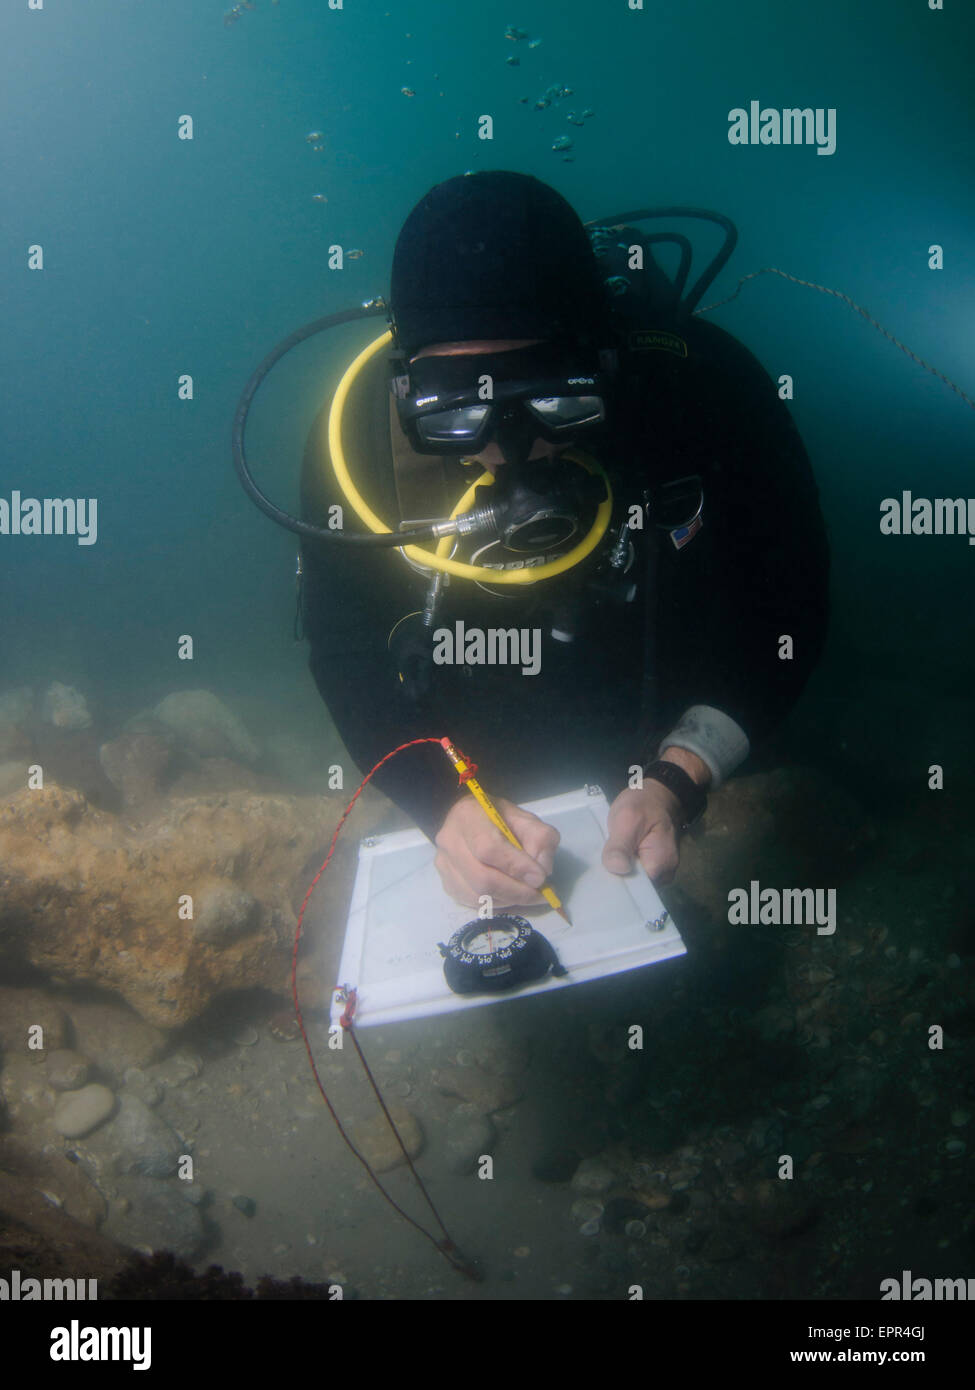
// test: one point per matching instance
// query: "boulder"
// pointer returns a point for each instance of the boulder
(203, 724)
(92, 899)
(65, 707)
(135, 763)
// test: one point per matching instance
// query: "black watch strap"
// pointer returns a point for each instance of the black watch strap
(693, 799)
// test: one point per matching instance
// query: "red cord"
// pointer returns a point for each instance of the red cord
(446, 1246)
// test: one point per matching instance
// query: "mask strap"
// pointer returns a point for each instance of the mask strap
(421, 487)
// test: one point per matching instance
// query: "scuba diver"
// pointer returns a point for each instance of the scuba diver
(599, 478)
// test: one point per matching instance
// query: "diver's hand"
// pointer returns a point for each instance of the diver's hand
(474, 858)
(644, 824)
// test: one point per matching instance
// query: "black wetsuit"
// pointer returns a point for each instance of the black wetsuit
(704, 628)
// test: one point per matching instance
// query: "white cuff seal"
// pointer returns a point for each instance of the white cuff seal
(714, 737)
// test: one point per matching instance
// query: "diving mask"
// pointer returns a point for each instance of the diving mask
(459, 404)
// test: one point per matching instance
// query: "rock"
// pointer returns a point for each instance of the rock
(65, 707)
(135, 764)
(586, 1209)
(487, 1093)
(247, 1205)
(77, 1113)
(93, 899)
(788, 828)
(67, 1070)
(377, 1143)
(223, 912)
(149, 1215)
(175, 1071)
(206, 726)
(22, 1010)
(139, 1141)
(470, 1134)
(593, 1175)
(115, 1038)
(142, 1086)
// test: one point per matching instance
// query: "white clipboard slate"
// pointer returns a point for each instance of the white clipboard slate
(399, 912)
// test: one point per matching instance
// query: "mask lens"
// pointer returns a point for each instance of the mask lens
(452, 426)
(567, 412)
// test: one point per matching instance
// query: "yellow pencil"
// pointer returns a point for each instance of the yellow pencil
(473, 786)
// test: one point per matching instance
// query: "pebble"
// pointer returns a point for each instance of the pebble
(563, 1289)
(177, 1070)
(522, 1252)
(245, 1037)
(586, 1209)
(67, 1070)
(142, 1086)
(960, 1118)
(488, 1093)
(378, 1145)
(77, 1113)
(590, 1228)
(954, 1148)
(636, 1230)
(593, 1175)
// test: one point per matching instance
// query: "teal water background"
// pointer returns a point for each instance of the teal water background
(165, 256)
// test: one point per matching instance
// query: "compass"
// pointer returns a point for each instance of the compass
(497, 953)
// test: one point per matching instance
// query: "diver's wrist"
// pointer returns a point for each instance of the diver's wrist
(695, 767)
